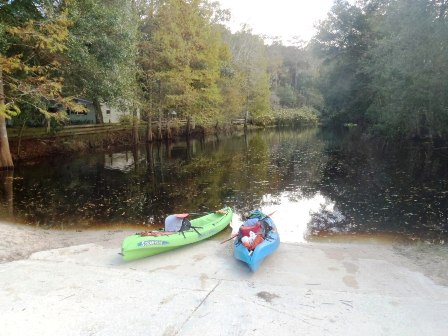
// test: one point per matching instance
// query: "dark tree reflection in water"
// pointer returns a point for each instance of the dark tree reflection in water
(318, 183)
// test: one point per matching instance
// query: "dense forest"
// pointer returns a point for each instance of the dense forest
(378, 64)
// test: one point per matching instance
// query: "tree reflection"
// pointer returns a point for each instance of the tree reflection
(6, 194)
(400, 189)
(317, 181)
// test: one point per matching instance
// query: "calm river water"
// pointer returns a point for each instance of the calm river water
(319, 183)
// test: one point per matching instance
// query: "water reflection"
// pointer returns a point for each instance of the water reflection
(317, 182)
(294, 211)
(119, 161)
(7, 193)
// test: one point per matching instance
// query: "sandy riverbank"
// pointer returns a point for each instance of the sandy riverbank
(20, 241)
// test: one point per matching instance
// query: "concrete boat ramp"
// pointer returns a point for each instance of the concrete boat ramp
(306, 289)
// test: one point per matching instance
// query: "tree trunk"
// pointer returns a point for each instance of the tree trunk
(5, 153)
(188, 126)
(168, 129)
(149, 133)
(150, 159)
(217, 127)
(48, 121)
(135, 136)
(159, 128)
(98, 113)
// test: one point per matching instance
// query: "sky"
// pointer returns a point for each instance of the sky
(283, 18)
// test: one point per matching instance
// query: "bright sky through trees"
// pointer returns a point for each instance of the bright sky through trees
(286, 19)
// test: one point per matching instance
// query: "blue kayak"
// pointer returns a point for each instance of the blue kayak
(257, 238)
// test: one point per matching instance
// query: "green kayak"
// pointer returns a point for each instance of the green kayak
(146, 244)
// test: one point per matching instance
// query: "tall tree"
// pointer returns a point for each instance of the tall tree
(32, 38)
(102, 51)
(5, 153)
(409, 67)
(250, 60)
(180, 57)
(293, 72)
(342, 42)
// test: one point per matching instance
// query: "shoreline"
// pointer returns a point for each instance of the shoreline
(21, 241)
(34, 148)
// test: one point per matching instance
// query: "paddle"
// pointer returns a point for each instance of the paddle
(236, 234)
(229, 238)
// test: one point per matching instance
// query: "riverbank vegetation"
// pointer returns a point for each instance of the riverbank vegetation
(384, 66)
(379, 64)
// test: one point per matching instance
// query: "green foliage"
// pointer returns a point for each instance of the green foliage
(295, 96)
(287, 96)
(32, 38)
(3, 38)
(125, 119)
(159, 55)
(249, 56)
(384, 66)
(409, 67)
(259, 107)
(293, 73)
(298, 117)
(181, 57)
(350, 125)
(342, 42)
(102, 50)
(9, 110)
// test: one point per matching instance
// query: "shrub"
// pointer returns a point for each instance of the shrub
(305, 115)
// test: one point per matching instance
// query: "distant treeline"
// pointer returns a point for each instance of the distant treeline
(148, 55)
(379, 64)
(385, 66)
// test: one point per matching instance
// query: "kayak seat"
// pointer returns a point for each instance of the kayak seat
(173, 223)
(186, 225)
(179, 223)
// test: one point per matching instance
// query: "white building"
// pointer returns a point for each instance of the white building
(113, 115)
